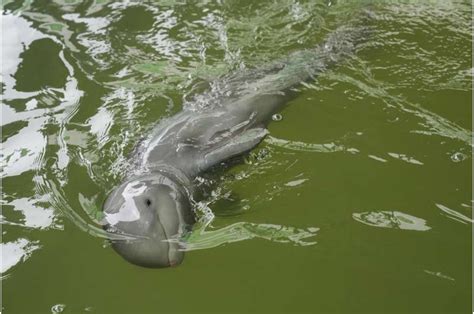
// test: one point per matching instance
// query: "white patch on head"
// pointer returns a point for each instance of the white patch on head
(128, 211)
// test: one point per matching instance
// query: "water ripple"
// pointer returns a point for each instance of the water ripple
(202, 238)
(391, 219)
(455, 215)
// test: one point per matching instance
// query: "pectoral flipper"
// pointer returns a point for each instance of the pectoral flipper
(235, 146)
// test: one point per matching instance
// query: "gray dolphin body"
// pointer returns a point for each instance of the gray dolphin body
(154, 204)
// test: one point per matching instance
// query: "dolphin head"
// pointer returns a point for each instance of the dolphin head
(155, 211)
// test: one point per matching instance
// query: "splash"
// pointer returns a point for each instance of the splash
(204, 237)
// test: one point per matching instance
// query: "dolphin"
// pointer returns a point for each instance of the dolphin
(154, 204)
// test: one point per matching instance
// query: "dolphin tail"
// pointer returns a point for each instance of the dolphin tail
(338, 46)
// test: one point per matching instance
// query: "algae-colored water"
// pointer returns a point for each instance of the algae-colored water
(359, 200)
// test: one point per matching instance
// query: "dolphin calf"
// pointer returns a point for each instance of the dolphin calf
(154, 203)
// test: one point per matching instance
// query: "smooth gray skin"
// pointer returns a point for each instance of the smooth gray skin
(230, 119)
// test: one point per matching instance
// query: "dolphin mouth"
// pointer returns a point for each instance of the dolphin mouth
(119, 235)
(174, 264)
(162, 258)
(170, 250)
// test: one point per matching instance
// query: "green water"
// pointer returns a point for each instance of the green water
(359, 201)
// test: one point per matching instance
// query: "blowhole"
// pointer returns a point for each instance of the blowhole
(148, 202)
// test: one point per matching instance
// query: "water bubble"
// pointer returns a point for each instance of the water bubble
(58, 308)
(458, 157)
(277, 117)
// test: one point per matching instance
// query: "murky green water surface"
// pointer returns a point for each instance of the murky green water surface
(359, 201)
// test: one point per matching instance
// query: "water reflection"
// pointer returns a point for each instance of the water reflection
(15, 252)
(34, 213)
(58, 308)
(23, 150)
(405, 158)
(17, 35)
(391, 219)
(439, 275)
(455, 215)
(306, 147)
(39, 87)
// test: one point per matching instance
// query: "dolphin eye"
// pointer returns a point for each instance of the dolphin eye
(148, 202)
